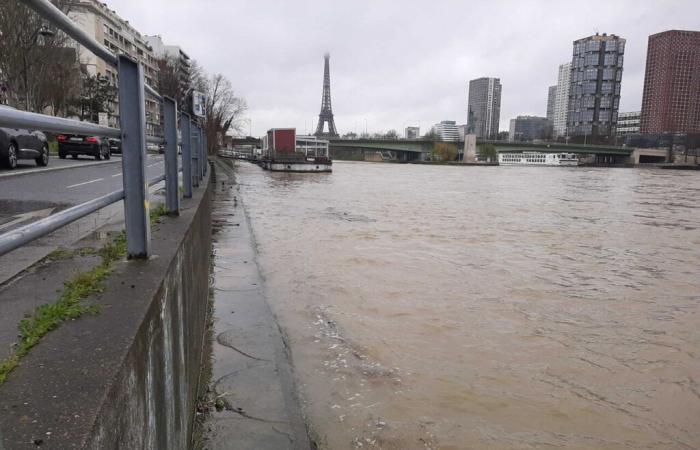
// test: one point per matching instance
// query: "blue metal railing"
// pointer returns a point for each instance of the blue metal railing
(132, 93)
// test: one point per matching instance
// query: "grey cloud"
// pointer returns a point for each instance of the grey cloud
(398, 63)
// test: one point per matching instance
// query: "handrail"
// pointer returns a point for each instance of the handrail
(12, 118)
(27, 233)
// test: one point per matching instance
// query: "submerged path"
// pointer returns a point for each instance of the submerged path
(252, 392)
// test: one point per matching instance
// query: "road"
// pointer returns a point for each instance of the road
(32, 193)
(79, 183)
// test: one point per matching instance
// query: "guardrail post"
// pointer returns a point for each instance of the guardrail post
(172, 196)
(132, 114)
(205, 155)
(186, 140)
(195, 156)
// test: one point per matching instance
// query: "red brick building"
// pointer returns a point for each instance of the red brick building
(671, 98)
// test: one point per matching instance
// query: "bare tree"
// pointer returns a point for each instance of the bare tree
(224, 110)
(37, 69)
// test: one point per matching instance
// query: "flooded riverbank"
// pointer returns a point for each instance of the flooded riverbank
(500, 307)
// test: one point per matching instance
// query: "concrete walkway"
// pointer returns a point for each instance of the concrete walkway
(251, 378)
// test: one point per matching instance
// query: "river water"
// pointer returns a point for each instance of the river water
(436, 307)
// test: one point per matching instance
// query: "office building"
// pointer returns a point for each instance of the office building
(561, 102)
(446, 131)
(105, 26)
(412, 132)
(529, 128)
(484, 107)
(594, 93)
(671, 96)
(551, 101)
(628, 123)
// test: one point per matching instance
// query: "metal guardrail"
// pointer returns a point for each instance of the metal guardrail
(132, 93)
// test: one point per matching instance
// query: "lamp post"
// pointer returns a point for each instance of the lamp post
(43, 32)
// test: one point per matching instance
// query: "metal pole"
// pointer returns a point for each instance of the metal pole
(195, 156)
(205, 166)
(132, 115)
(202, 155)
(172, 196)
(186, 140)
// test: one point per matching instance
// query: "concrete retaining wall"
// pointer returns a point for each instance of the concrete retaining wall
(127, 377)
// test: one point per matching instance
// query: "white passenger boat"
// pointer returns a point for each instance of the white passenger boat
(537, 159)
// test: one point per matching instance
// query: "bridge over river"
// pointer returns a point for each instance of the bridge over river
(418, 149)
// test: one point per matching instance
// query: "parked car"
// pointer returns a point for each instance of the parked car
(75, 144)
(115, 145)
(20, 143)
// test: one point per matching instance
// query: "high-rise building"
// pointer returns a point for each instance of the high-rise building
(172, 54)
(412, 132)
(529, 128)
(628, 123)
(551, 101)
(484, 107)
(594, 94)
(106, 27)
(671, 96)
(446, 131)
(561, 103)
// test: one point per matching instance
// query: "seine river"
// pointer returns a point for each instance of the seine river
(436, 307)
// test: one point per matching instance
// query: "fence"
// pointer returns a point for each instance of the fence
(132, 132)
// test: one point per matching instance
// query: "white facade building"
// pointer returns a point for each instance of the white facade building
(628, 123)
(447, 130)
(561, 102)
(115, 33)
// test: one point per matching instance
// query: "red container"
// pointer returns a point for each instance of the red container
(282, 141)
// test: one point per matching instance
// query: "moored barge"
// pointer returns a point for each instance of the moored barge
(284, 151)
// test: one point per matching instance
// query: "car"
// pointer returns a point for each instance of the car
(115, 145)
(20, 143)
(76, 144)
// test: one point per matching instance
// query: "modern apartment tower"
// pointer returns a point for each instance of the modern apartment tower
(561, 103)
(447, 130)
(671, 96)
(551, 101)
(484, 107)
(594, 95)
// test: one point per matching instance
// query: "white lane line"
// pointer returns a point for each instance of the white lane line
(87, 182)
(154, 164)
(117, 175)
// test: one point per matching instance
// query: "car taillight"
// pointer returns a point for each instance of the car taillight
(91, 139)
(61, 137)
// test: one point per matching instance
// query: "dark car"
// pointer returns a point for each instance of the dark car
(20, 143)
(115, 145)
(76, 144)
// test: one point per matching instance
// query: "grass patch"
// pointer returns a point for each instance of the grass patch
(157, 213)
(47, 317)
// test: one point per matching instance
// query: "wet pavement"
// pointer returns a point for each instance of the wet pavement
(252, 393)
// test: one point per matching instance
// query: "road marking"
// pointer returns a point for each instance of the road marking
(19, 218)
(117, 175)
(82, 184)
(34, 171)
(154, 164)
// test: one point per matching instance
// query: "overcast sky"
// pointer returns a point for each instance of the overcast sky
(398, 63)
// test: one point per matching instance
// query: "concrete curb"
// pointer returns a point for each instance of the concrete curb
(53, 169)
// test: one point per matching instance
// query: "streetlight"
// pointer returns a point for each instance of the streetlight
(44, 31)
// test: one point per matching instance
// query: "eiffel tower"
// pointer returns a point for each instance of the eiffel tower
(326, 110)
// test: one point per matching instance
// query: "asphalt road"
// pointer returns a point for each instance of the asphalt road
(81, 182)
(31, 193)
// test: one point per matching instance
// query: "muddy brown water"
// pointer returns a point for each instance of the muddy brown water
(499, 308)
